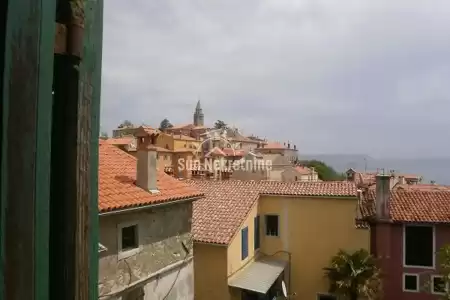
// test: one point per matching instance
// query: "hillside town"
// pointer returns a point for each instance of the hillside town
(200, 210)
(203, 212)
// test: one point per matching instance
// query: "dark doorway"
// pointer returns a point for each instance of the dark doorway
(249, 295)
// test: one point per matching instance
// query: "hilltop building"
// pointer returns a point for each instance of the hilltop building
(194, 129)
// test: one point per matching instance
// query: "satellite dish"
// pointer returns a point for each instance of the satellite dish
(283, 287)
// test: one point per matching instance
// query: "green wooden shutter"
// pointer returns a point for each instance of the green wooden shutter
(244, 243)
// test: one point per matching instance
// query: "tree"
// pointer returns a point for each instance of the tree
(354, 275)
(165, 124)
(324, 171)
(220, 125)
(126, 124)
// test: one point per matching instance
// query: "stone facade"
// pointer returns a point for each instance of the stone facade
(148, 273)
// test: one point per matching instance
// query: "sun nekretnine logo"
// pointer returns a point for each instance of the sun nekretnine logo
(219, 153)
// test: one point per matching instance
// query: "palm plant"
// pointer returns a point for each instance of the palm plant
(354, 275)
(444, 271)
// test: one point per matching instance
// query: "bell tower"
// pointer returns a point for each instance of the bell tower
(199, 117)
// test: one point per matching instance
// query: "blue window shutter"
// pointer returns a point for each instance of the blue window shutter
(257, 233)
(244, 250)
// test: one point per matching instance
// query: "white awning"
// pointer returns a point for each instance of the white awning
(259, 276)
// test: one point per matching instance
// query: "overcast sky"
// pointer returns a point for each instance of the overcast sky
(361, 76)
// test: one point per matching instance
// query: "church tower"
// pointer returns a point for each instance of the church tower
(198, 115)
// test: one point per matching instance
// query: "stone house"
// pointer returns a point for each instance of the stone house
(276, 148)
(408, 224)
(145, 227)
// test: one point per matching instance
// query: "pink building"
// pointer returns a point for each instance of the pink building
(408, 225)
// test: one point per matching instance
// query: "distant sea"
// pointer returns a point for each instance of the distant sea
(437, 169)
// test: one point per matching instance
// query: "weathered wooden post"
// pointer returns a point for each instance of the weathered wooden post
(25, 162)
(49, 149)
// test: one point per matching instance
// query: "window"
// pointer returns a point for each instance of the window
(128, 239)
(271, 225)
(244, 244)
(438, 285)
(257, 233)
(326, 297)
(410, 282)
(418, 246)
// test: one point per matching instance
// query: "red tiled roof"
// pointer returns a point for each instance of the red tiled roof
(303, 170)
(413, 203)
(274, 145)
(225, 206)
(117, 188)
(317, 189)
(420, 206)
(218, 216)
(119, 141)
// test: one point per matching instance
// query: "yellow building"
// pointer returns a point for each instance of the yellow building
(185, 142)
(169, 150)
(252, 236)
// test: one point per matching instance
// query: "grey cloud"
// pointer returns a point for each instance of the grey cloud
(332, 76)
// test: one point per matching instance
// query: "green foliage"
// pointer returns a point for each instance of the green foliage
(324, 171)
(220, 124)
(126, 124)
(354, 275)
(444, 271)
(165, 124)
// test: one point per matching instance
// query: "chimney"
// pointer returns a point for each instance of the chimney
(289, 146)
(295, 147)
(401, 179)
(146, 170)
(383, 194)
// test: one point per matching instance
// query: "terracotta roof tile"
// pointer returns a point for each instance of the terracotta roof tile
(217, 217)
(413, 203)
(323, 189)
(420, 206)
(303, 170)
(120, 141)
(225, 206)
(117, 188)
(274, 145)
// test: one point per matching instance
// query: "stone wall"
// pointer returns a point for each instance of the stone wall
(177, 284)
(161, 232)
